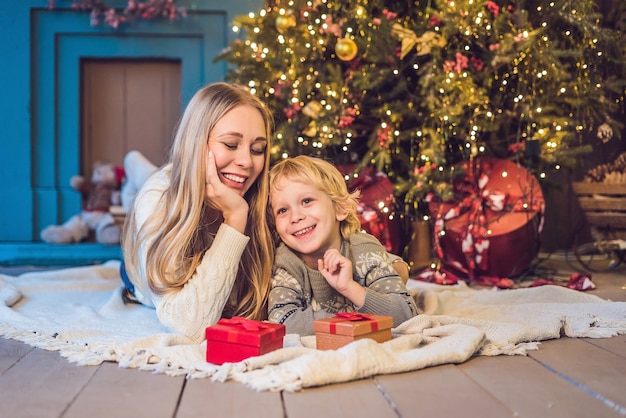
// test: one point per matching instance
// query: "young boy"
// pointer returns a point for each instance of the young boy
(324, 264)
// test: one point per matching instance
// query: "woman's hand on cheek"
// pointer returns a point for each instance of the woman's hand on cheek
(234, 207)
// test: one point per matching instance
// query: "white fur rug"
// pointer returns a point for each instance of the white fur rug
(79, 313)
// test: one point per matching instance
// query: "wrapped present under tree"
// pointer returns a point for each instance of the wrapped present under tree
(377, 205)
(491, 229)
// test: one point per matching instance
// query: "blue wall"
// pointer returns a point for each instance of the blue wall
(39, 112)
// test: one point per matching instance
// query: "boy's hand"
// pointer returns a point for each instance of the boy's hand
(337, 270)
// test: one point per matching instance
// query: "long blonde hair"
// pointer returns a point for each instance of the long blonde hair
(325, 177)
(177, 238)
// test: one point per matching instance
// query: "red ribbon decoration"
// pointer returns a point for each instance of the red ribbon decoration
(353, 316)
(247, 324)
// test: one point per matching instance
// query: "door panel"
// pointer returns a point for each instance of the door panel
(126, 105)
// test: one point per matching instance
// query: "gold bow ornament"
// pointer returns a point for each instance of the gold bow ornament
(423, 44)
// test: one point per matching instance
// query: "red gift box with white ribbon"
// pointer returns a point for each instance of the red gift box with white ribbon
(345, 327)
(235, 339)
(492, 228)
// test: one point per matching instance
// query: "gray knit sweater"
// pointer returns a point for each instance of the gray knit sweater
(299, 294)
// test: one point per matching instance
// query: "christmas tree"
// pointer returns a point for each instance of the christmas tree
(415, 87)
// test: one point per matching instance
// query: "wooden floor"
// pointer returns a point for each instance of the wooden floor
(564, 378)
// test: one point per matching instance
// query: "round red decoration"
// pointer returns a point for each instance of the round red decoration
(492, 228)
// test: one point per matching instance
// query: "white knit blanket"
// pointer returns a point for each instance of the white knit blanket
(79, 313)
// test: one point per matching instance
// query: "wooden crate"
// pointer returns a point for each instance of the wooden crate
(604, 205)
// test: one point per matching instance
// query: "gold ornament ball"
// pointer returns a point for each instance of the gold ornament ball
(284, 22)
(346, 49)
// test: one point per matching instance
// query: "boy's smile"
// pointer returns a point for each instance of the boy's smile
(304, 231)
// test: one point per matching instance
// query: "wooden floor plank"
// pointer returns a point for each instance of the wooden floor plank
(610, 285)
(205, 398)
(11, 352)
(119, 392)
(440, 392)
(616, 345)
(41, 384)
(596, 371)
(361, 398)
(530, 390)
(611, 291)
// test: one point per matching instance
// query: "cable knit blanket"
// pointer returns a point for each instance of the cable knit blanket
(79, 313)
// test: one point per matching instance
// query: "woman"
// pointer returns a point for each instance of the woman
(196, 243)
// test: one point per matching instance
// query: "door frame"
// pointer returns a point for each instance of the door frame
(62, 41)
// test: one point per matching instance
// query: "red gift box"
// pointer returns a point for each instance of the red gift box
(493, 226)
(235, 339)
(345, 327)
(376, 192)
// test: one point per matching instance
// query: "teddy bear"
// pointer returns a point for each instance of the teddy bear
(98, 195)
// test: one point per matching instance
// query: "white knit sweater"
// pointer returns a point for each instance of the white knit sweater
(199, 303)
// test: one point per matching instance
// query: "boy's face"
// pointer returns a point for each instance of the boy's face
(306, 219)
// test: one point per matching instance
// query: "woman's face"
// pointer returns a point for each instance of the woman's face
(239, 144)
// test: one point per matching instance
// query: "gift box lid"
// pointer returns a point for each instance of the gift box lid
(239, 330)
(352, 323)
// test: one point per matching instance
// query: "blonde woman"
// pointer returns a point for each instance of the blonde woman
(324, 264)
(196, 242)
